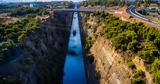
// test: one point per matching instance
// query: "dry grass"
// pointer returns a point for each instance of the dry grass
(5, 19)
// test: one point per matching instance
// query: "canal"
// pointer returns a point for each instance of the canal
(74, 71)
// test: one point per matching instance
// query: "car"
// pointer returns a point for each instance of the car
(149, 20)
(158, 24)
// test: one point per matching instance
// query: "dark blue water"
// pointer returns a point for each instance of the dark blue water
(74, 72)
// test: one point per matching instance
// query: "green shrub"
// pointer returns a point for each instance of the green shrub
(135, 37)
(137, 81)
(25, 68)
(123, 39)
(157, 77)
(133, 46)
(155, 66)
(12, 35)
(88, 43)
(139, 73)
(9, 80)
(130, 17)
(138, 77)
(131, 65)
(22, 11)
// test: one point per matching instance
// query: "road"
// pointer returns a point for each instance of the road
(133, 12)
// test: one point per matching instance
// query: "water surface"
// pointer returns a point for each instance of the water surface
(74, 72)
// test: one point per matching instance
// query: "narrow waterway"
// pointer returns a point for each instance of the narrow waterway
(74, 72)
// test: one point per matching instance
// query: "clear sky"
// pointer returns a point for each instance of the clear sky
(38, 0)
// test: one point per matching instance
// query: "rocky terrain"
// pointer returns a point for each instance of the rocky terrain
(105, 64)
(43, 53)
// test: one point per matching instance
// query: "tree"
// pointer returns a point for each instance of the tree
(155, 66)
(22, 37)
(137, 81)
(146, 3)
(122, 40)
(157, 41)
(133, 46)
(10, 80)
(157, 77)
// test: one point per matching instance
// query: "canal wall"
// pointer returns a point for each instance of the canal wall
(43, 53)
(109, 63)
(47, 50)
(103, 64)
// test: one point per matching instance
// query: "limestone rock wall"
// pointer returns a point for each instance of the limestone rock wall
(109, 64)
(104, 65)
(45, 51)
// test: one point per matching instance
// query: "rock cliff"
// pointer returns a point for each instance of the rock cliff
(43, 52)
(104, 65)
(109, 64)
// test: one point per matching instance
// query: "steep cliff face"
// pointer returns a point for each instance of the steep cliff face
(43, 53)
(109, 63)
(103, 64)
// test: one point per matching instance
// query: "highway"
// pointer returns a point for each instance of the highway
(133, 12)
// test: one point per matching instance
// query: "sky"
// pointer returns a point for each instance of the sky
(38, 0)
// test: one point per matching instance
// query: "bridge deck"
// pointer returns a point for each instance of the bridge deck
(80, 10)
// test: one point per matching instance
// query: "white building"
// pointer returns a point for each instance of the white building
(153, 9)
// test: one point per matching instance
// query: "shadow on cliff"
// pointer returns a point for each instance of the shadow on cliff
(51, 55)
(92, 75)
(43, 53)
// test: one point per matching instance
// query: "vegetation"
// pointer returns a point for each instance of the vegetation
(22, 11)
(9, 80)
(145, 3)
(137, 81)
(156, 70)
(88, 43)
(49, 65)
(139, 77)
(103, 2)
(131, 65)
(135, 38)
(4, 6)
(12, 35)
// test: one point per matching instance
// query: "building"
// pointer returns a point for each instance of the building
(153, 9)
(153, 1)
(130, 0)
